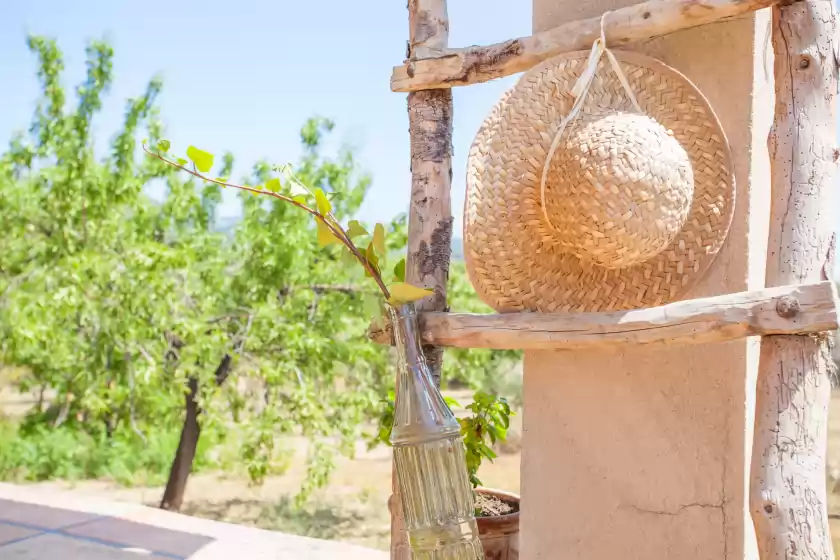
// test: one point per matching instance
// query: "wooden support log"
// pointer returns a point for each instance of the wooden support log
(430, 212)
(446, 68)
(810, 308)
(788, 499)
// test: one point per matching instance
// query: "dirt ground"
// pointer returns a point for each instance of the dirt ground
(353, 507)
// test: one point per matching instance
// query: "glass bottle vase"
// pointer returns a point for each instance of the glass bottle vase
(433, 484)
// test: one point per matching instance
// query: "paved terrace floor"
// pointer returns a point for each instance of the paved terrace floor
(40, 525)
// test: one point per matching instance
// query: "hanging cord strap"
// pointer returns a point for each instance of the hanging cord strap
(579, 92)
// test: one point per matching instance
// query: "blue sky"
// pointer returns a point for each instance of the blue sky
(244, 76)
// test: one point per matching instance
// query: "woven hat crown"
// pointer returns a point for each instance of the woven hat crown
(619, 189)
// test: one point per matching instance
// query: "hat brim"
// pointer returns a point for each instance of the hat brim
(510, 257)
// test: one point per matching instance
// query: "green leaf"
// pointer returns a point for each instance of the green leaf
(202, 160)
(163, 145)
(181, 161)
(355, 229)
(372, 306)
(324, 206)
(325, 235)
(372, 259)
(145, 141)
(402, 293)
(399, 271)
(379, 239)
(486, 451)
(451, 402)
(273, 185)
(347, 257)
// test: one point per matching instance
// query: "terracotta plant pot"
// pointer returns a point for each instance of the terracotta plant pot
(499, 534)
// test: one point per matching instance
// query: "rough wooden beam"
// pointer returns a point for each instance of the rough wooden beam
(446, 68)
(802, 309)
(788, 498)
(430, 212)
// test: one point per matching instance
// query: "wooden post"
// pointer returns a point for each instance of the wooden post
(788, 490)
(430, 213)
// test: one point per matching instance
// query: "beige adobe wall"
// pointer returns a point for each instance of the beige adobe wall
(643, 454)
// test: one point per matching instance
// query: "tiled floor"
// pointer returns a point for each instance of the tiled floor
(63, 526)
(31, 531)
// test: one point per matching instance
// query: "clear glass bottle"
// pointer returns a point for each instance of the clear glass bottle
(434, 487)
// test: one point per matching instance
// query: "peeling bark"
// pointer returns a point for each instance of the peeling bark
(482, 64)
(436, 66)
(788, 490)
(800, 309)
(430, 216)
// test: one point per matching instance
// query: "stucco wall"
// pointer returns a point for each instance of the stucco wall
(643, 453)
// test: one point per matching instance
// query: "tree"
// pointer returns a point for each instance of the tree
(94, 276)
(132, 317)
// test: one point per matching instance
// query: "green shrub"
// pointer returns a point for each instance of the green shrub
(39, 452)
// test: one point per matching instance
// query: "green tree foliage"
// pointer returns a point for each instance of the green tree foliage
(475, 368)
(96, 280)
(115, 305)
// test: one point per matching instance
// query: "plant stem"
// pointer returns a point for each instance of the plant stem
(338, 231)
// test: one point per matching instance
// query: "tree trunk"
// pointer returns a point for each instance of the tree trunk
(430, 213)
(176, 486)
(788, 491)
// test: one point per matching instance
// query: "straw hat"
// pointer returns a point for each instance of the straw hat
(596, 183)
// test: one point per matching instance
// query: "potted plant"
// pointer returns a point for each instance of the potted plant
(496, 511)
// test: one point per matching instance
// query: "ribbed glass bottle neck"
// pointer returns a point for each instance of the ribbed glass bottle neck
(420, 412)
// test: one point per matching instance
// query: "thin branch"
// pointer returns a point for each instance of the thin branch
(347, 289)
(338, 232)
(146, 355)
(64, 412)
(239, 346)
(313, 309)
(228, 316)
